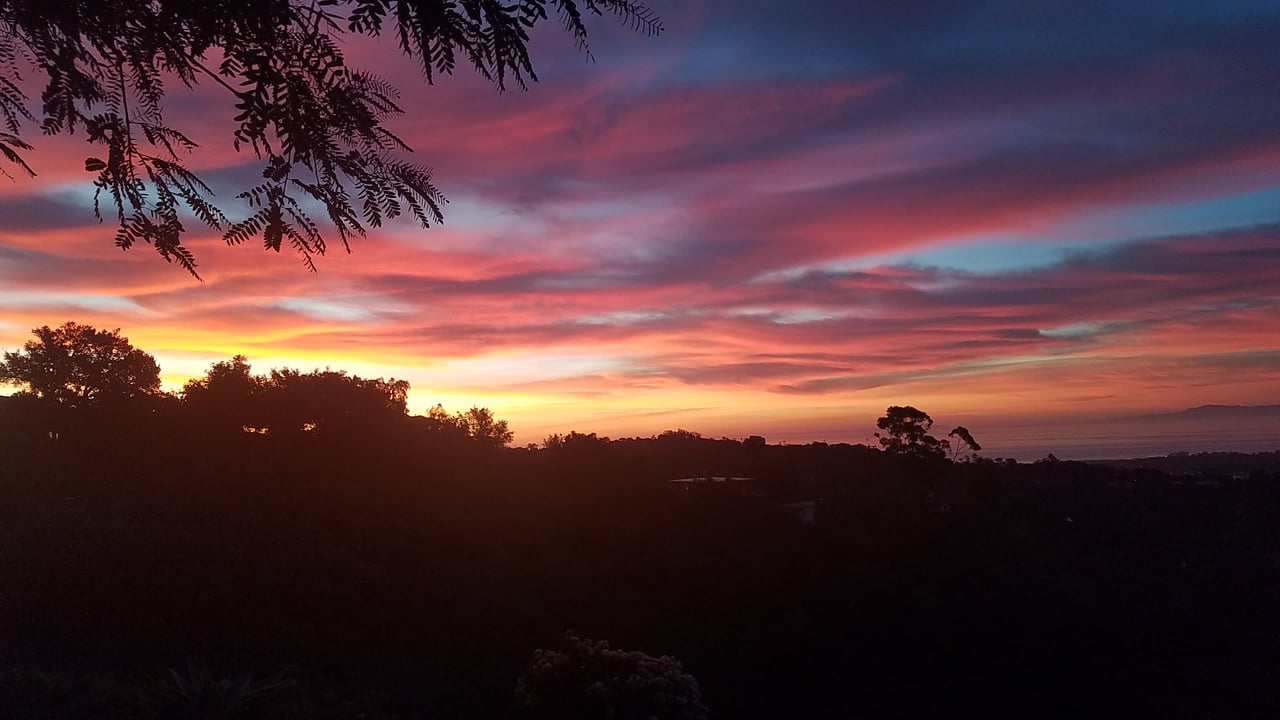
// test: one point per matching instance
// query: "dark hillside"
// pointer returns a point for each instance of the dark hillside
(412, 573)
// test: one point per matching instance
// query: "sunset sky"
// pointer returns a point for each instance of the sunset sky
(776, 218)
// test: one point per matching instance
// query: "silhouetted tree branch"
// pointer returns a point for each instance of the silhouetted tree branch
(316, 124)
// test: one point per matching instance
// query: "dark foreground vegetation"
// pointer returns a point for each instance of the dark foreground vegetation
(163, 558)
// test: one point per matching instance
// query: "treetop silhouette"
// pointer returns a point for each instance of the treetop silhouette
(906, 432)
(964, 442)
(77, 375)
(316, 124)
(76, 365)
(231, 399)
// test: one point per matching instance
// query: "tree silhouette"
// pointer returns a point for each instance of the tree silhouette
(329, 402)
(906, 432)
(77, 365)
(228, 398)
(481, 424)
(964, 439)
(316, 125)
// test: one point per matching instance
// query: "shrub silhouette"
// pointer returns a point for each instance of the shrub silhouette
(586, 679)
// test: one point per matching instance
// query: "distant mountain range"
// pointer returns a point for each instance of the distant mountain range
(1216, 412)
